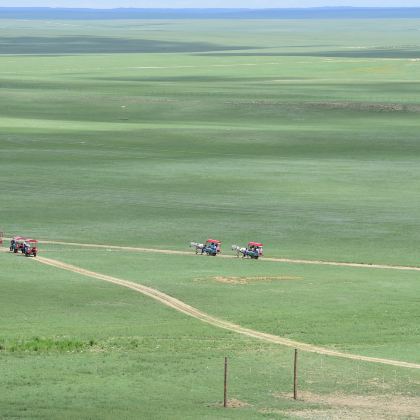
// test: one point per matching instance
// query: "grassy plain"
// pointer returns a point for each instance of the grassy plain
(300, 134)
(326, 306)
(75, 347)
(304, 143)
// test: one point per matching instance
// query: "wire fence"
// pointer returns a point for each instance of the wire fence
(323, 383)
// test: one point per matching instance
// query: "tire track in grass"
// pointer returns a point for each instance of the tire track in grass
(186, 309)
(272, 259)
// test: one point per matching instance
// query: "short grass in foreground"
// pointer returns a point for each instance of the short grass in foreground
(358, 310)
(77, 347)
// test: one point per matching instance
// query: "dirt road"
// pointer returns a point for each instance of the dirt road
(217, 322)
(195, 313)
(283, 260)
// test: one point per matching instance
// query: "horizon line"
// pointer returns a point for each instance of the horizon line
(211, 8)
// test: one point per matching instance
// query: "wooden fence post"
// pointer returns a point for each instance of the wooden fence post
(295, 376)
(225, 384)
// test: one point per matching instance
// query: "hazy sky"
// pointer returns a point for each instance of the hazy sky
(205, 3)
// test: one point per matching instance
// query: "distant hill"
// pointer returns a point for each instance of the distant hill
(310, 13)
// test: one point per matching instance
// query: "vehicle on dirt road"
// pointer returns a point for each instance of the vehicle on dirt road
(256, 247)
(254, 250)
(30, 248)
(27, 246)
(210, 247)
(17, 244)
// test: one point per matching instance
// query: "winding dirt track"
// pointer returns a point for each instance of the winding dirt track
(202, 316)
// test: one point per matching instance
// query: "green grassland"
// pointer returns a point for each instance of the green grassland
(287, 142)
(362, 311)
(101, 351)
(299, 134)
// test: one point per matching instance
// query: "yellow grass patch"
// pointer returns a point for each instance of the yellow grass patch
(247, 280)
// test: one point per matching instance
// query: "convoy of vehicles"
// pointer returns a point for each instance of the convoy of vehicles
(253, 250)
(27, 246)
(212, 247)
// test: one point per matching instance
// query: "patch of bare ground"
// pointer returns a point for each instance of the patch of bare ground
(232, 403)
(247, 280)
(342, 406)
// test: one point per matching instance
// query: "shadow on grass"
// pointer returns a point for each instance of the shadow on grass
(409, 53)
(95, 44)
(188, 79)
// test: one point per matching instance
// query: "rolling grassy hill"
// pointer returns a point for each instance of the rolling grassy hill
(153, 133)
